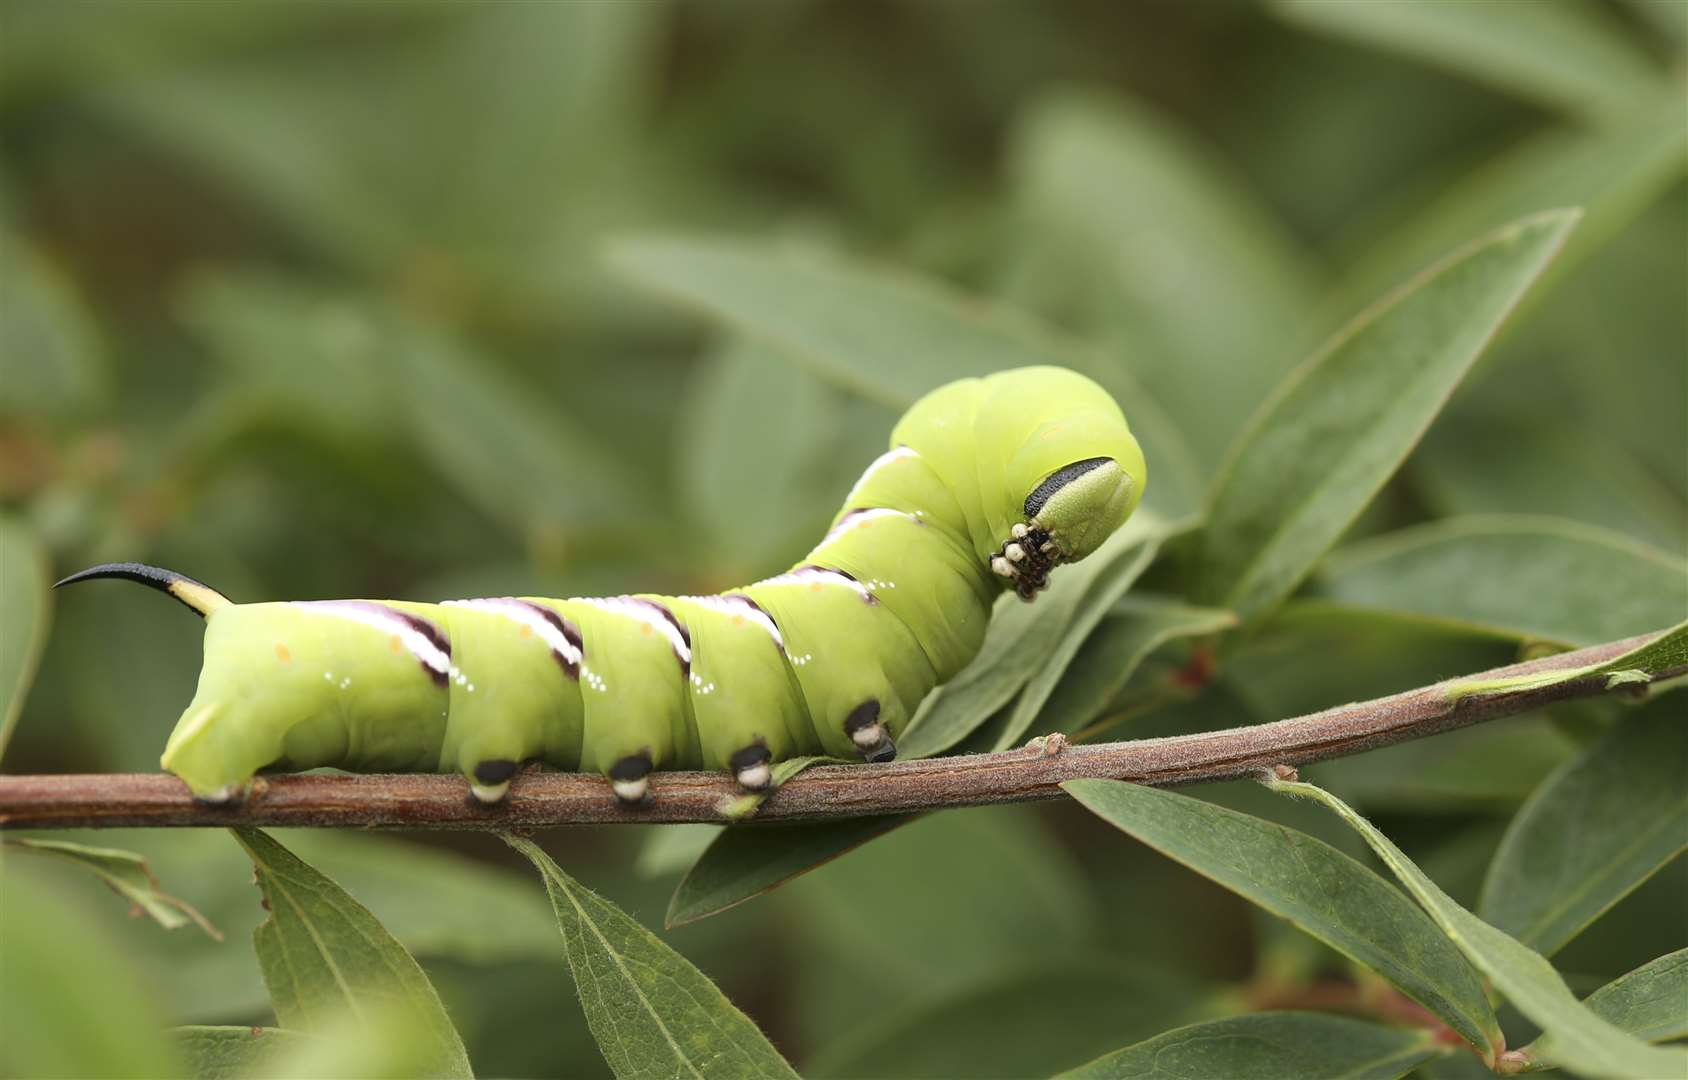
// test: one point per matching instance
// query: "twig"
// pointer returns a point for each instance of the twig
(538, 799)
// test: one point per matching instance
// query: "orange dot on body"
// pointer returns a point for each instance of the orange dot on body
(282, 654)
(738, 620)
(394, 644)
(527, 631)
(645, 628)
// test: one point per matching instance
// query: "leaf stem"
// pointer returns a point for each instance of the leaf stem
(540, 799)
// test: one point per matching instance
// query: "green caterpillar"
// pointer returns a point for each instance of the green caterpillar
(989, 483)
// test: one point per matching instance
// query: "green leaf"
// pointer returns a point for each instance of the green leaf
(1613, 174)
(1666, 654)
(1325, 442)
(752, 441)
(1268, 1046)
(1106, 588)
(1170, 250)
(73, 1002)
(1314, 886)
(26, 610)
(650, 1010)
(324, 957)
(1477, 462)
(51, 358)
(233, 1053)
(502, 445)
(741, 864)
(128, 876)
(470, 911)
(334, 379)
(1595, 830)
(1650, 1002)
(887, 335)
(1535, 578)
(1567, 55)
(1028, 1023)
(1135, 627)
(993, 872)
(1584, 1041)
(1028, 644)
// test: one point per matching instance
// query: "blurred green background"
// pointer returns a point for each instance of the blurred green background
(343, 299)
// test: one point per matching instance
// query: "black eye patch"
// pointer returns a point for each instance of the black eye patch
(1059, 479)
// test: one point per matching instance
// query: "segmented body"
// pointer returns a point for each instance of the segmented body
(831, 657)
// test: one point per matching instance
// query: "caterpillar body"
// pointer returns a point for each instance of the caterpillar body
(989, 484)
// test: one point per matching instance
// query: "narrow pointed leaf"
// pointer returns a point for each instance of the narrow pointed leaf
(652, 1012)
(1663, 657)
(325, 959)
(1536, 578)
(888, 335)
(1027, 1023)
(1268, 1046)
(128, 875)
(1650, 1003)
(1583, 1041)
(1568, 55)
(741, 864)
(1337, 429)
(1311, 884)
(1594, 831)
(1170, 251)
(1613, 172)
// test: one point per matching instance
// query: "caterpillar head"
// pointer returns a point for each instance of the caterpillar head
(1040, 464)
(1071, 476)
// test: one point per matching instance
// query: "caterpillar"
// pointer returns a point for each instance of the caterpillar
(989, 484)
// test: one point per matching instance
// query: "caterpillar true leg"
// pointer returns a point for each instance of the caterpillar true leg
(989, 485)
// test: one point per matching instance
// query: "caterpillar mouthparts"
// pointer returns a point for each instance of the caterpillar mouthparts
(1026, 558)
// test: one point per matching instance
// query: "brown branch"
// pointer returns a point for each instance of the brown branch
(538, 799)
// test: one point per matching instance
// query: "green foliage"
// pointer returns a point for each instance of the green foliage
(127, 874)
(1593, 831)
(1314, 886)
(423, 300)
(1269, 1045)
(1322, 446)
(651, 1010)
(1582, 1039)
(328, 962)
(25, 614)
(228, 1053)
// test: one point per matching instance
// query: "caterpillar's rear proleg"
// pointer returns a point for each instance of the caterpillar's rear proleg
(629, 779)
(868, 734)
